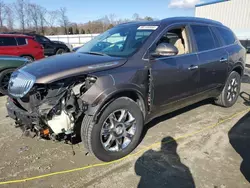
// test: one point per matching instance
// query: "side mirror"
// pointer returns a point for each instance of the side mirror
(165, 50)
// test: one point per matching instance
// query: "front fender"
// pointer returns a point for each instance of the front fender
(106, 88)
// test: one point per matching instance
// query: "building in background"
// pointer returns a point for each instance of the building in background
(232, 13)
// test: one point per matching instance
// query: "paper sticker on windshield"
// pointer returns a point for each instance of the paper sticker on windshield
(147, 27)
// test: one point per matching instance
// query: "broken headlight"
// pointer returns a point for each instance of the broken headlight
(20, 83)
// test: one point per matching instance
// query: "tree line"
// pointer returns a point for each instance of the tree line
(23, 16)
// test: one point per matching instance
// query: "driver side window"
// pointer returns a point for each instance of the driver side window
(178, 38)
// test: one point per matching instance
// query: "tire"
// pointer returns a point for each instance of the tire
(60, 51)
(231, 91)
(4, 79)
(31, 59)
(94, 140)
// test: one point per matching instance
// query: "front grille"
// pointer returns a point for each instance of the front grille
(20, 83)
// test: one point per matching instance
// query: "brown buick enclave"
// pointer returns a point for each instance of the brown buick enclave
(124, 78)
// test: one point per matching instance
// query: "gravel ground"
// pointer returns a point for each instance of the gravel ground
(214, 158)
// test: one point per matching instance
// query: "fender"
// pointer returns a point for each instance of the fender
(105, 89)
(238, 65)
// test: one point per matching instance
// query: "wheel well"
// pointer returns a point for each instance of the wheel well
(238, 70)
(130, 94)
(27, 55)
(60, 48)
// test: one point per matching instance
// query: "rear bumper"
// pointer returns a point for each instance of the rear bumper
(20, 116)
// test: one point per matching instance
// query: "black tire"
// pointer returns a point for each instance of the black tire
(90, 132)
(31, 59)
(4, 79)
(223, 99)
(60, 51)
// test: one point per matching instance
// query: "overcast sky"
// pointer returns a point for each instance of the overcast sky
(85, 10)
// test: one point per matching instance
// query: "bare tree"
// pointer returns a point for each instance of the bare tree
(63, 19)
(9, 17)
(20, 10)
(41, 16)
(112, 19)
(51, 20)
(33, 15)
(136, 17)
(2, 14)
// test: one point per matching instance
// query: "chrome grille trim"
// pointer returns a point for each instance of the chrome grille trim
(20, 83)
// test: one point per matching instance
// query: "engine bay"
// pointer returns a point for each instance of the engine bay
(53, 109)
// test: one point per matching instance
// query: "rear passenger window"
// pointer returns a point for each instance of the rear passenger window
(203, 37)
(226, 35)
(216, 39)
(7, 41)
(21, 41)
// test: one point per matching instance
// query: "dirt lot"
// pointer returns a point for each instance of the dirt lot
(217, 157)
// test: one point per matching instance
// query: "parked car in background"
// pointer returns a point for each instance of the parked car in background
(70, 47)
(8, 64)
(124, 78)
(20, 45)
(76, 48)
(50, 47)
(246, 44)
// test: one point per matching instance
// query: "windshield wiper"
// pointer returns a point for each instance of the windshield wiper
(96, 53)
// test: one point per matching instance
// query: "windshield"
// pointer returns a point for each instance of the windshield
(120, 41)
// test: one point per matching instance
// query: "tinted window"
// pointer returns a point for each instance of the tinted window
(7, 41)
(21, 41)
(42, 39)
(226, 35)
(203, 37)
(216, 40)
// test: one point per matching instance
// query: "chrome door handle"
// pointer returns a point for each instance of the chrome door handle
(193, 67)
(223, 60)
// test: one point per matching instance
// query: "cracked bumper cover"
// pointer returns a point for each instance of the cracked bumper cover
(20, 115)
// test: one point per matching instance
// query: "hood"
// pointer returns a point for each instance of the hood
(72, 64)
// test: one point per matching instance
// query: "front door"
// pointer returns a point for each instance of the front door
(176, 77)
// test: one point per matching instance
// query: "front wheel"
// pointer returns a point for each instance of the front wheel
(4, 80)
(231, 90)
(117, 131)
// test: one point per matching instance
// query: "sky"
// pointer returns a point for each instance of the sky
(81, 11)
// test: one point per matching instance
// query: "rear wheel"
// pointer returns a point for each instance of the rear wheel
(31, 59)
(117, 132)
(4, 80)
(231, 90)
(60, 51)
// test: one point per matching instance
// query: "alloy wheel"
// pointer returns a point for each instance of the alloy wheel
(232, 90)
(118, 130)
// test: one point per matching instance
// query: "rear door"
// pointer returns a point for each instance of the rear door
(8, 46)
(22, 46)
(213, 58)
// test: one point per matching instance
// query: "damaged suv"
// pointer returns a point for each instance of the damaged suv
(124, 78)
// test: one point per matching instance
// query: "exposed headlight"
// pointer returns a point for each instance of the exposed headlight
(20, 83)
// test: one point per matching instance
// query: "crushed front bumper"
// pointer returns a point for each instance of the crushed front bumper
(21, 116)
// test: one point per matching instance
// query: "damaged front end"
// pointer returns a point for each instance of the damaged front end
(47, 110)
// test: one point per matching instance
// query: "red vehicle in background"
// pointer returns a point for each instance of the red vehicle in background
(21, 45)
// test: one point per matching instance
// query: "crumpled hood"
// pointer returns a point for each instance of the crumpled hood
(72, 64)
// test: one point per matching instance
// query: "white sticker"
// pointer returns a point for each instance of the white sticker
(147, 27)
